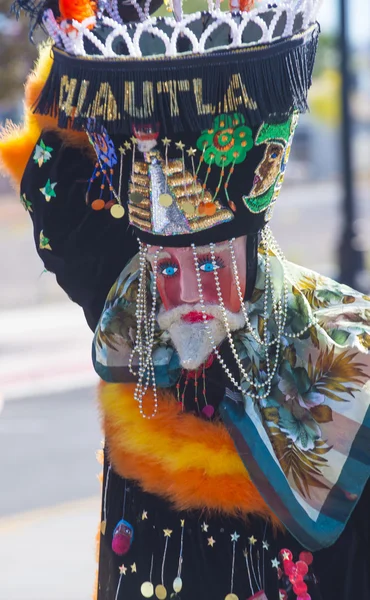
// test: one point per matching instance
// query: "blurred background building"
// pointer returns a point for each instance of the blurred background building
(48, 423)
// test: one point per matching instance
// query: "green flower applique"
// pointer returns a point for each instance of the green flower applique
(48, 190)
(44, 242)
(227, 142)
(42, 153)
(27, 204)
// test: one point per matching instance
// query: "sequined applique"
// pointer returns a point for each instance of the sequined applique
(227, 142)
(42, 153)
(49, 190)
(44, 242)
(27, 204)
(269, 173)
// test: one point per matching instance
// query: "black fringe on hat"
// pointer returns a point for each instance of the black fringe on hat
(264, 84)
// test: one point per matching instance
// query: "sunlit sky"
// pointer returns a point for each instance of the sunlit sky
(359, 18)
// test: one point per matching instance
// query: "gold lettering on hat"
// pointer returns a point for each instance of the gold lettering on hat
(232, 99)
(104, 103)
(172, 87)
(66, 94)
(203, 109)
(82, 97)
(130, 104)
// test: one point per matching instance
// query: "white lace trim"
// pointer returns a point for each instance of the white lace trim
(271, 23)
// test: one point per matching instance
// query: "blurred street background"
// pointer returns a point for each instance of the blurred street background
(49, 427)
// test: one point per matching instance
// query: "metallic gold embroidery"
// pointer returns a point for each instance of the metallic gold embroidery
(66, 94)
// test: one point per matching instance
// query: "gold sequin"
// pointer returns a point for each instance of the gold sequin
(141, 167)
(181, 179)
(202, 223)
(117, 211)
(140, 223)
(165, 200)
(161, 592)
(140, 179)
(188, 208)
(140, 212)
(173, 166)
(66, 94)
(143, 191)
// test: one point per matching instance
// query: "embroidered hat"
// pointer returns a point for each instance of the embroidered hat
(200, 107)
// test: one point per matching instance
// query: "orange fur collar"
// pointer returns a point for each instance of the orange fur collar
(191, 462)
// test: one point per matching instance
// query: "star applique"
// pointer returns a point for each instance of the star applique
(48, 190)
(166, 142)
(133, 568)
(103, 527)
(182, 522)
(127, 145)
(27, 204)
(234, 537)
(167, 532)
(275, 563)
(144, 515)
(122, 570)
(211, 541)
(42, 153)
(122, 151)
(252, 540)
(286, 555)
(204, 527)
(265, 545)
(191, 152)
(134, 140)
(180, 145)
(245, 552)
(44, 242)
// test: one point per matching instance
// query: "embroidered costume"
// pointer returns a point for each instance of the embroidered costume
(234, 394)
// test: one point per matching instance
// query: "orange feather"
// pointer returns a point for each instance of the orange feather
(75, 9)
(18, 142)
(190, 462)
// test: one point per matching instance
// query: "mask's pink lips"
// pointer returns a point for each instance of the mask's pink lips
(196, 317)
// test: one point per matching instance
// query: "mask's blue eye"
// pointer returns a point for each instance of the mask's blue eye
(274, 155)
(208, 267)
(168, 270)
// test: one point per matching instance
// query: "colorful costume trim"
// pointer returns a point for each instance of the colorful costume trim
(177, 456)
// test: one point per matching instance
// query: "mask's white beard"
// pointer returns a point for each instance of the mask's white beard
(191, 340)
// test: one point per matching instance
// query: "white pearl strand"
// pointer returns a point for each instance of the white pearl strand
(274, 246)
(139, 313)
(266, 385)
(144, 341)
(206, 326)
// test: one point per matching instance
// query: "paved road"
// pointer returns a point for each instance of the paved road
(47, 449)
(50, 496)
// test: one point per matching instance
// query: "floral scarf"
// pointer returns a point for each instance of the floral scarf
(307, 446)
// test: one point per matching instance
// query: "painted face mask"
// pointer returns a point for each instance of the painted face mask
(190, 295)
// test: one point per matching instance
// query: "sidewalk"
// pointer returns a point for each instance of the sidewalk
(50, 554)
(44, 349)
